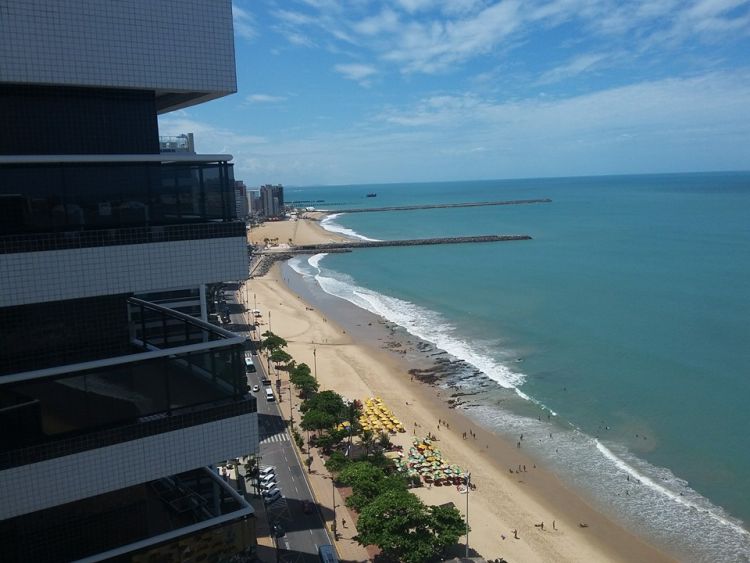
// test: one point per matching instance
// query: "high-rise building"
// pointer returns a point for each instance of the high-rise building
(272, 200)
(255, 203)
(240, 196)
(113, 408)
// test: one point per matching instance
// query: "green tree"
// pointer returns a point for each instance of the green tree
(302, 379)
(301, 370)
(272, 341)
(336, 462)
(328, 402)
(317, 420)
(280, 357)
(368, 441)
(368, 482)
(407, 530)
(447, 524)
(384, 440)
(331, 439)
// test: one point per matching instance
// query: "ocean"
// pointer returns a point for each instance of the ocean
(617, 340)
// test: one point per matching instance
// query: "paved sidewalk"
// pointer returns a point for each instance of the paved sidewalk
(325, 493)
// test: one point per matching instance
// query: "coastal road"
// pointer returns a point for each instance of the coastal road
(304, 532)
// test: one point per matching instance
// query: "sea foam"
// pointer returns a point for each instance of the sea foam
(420, 322)
(650, 499)
(329, 224)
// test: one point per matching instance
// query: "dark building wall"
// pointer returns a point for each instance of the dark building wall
(49, 334)
(57, 120)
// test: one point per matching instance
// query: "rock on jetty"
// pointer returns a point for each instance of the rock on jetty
(325, 247)
(440, 206)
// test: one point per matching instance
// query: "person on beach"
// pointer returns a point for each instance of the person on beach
(515, 533)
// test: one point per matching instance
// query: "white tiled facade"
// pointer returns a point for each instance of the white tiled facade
(162, 45)
(37, 277)
(60, 480)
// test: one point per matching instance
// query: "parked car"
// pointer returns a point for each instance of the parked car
(268, 486)
(265, 479)
(256, 388)
(278, 530)
(269, 470)
(271, 496)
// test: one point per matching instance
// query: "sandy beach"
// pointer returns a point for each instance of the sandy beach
(351, 359)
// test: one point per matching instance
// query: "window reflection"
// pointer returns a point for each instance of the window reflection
(54, 198)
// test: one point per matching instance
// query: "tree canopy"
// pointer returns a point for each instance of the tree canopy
(272, 341)
(328, 402)
(367, 482)
(397, 523)
(279, 356)
(300, 377)
(407, 530)
(317, 420)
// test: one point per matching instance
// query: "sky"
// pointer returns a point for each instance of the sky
(359, 91)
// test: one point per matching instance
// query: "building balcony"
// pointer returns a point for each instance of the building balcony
(172, 518)
(180, 369)
(77, 193)
(178, 401)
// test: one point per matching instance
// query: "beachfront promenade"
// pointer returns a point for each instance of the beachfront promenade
(441, 206)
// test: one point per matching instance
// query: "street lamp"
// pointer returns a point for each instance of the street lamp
(291, 408)
(333, 504)
(315, 364)
(333, 500)
(468, 488)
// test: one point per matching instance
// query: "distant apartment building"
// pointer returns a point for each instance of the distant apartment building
(255, 202)
(113, 406)
(240, 197)
(272, 200)
(178, 143)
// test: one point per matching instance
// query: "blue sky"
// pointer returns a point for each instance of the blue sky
(333, 92)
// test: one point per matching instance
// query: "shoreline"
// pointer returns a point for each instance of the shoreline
(352, 360)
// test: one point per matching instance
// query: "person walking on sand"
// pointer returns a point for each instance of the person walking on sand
(515, 533)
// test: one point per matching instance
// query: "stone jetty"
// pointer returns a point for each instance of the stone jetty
(339, 246)
(440, 206)
(267, 257)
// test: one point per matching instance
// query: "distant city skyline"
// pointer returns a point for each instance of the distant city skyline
(429, 90)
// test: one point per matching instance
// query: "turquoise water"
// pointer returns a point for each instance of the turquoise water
(626, 319)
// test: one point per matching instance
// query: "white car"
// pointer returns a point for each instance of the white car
(268, 486)
(271, 496)
(256, 388)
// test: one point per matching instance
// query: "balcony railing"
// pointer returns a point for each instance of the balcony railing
(67, 197)
(179, 365)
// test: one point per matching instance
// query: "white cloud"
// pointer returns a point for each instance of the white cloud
(264, 98)
(578, 65)
(385, 21)
(355, 71)
(434, 46)
(244, 23)
(431, 36)
(412, 6)
(717, 101)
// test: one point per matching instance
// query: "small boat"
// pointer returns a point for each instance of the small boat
(372, 195)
